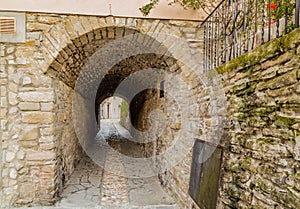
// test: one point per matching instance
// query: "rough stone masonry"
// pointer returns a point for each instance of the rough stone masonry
(39, 147)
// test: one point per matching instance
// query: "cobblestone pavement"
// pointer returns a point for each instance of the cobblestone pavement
(83, 188)
(91, 186)
(114, 188)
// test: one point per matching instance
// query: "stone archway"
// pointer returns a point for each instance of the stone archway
(66, 46)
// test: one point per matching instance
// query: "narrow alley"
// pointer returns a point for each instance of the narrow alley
(91, 186)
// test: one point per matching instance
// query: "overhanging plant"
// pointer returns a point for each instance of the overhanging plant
(278, 8)
(186, 4)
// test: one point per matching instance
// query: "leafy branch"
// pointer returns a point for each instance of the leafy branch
(186, 4)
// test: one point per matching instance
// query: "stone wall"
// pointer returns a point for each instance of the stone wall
(40, 148)
(69, 150)
(188, 111)
(28, 99)
(261, 167)
(39, 145)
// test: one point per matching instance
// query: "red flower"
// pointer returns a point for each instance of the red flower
(271, 6)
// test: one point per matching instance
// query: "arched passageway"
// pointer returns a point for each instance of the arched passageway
(122, 68)
(52, 85)
(163, 92)
(151, 65)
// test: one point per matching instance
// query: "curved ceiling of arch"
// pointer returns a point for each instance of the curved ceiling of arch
(97, 68)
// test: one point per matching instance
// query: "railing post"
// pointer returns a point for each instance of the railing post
(204, 48)
(269, 19)
(277, 20)
(263, 16)
(297, 13)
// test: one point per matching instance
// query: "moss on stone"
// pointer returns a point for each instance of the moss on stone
(267, 50)
(286, 121)
(239, 116)
(293, 141)
(250, 88)
(245, 164)
(268, 140)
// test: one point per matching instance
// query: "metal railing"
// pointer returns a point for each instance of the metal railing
(238, 26)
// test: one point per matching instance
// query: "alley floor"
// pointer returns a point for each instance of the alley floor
(91, 186)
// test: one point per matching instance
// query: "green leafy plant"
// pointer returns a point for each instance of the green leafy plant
(148, 7)
(124, 112)
(279, 8)
(186, 4)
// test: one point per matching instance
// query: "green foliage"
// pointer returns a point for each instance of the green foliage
(124, 112)
(148, 7)
(278, 8)
(192, 4)
(285, 7)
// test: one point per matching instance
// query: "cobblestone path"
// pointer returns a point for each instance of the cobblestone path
(91, 186)
(114, 188)
(83, 188)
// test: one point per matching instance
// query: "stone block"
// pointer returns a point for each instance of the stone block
(46, 139)
(34, 26)
(46, 19)
(32, 155)
(13, 173)
(47, 106)
(26, 190)
(20, 154)
(94, 22)
(47, 131)
(48, 168)
(29, 144)
(3, 113)
(47, 146)
(3, 90)
(13, 87)
(76, 25)
(29, 106)
(34, 96)
(279, 81)
(283, 58)
(86, 23)
(9, 156)
(12, 98)
(38, 117)
(26, 81)
(30, 134)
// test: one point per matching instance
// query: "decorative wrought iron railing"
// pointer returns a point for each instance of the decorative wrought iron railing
(238, 26)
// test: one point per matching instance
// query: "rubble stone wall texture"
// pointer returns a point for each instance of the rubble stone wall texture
(39, 145)
(175, 180)
(261, 165)
(27, 122)
(69, 150)
(190, 112)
